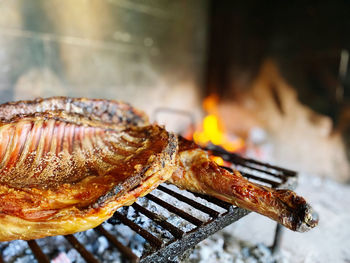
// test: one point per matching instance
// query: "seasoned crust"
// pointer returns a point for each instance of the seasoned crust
(109, 111)
(198, 173)
(80, 174)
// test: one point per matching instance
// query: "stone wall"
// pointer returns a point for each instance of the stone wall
(149, 53)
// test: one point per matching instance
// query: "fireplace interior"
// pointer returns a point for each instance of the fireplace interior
(265, 86)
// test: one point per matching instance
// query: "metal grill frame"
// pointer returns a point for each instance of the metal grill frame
(166, 252)
(288, 179)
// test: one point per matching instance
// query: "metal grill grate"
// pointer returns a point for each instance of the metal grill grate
(164, 250)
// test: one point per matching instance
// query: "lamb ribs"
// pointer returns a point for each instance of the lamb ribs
(61, 177)
(67, 164)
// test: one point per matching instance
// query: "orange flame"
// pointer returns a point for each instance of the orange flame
(218, 160)
(212, 129)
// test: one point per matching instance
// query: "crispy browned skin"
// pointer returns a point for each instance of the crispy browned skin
(198, 173)
(108, 111)
(61, 174)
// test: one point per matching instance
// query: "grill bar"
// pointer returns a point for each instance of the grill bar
(215, 201)
(260, 170)
(123, 249)
(250, 176)
(38, 253)
(246, 162)
(194, 237)
(175, 210)
(278, 237)
(176, 232)
(261, 179)
(81, 249)
(191, 202)
(154, 241)
(161, 251)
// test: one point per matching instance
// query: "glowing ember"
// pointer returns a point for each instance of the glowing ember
(212, 129)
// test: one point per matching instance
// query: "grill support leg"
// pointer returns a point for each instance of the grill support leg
(277, 239)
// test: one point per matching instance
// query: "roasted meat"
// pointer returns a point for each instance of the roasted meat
(54, 151)
(63, 173)
(108, 111)
(198, 173)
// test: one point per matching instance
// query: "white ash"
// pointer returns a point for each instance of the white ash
(223, 248)
(16, 251)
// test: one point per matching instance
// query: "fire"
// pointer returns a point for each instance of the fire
(218, 160)
(212, 129)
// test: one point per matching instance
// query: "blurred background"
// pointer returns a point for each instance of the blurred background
(271, 78)
(144, 52)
